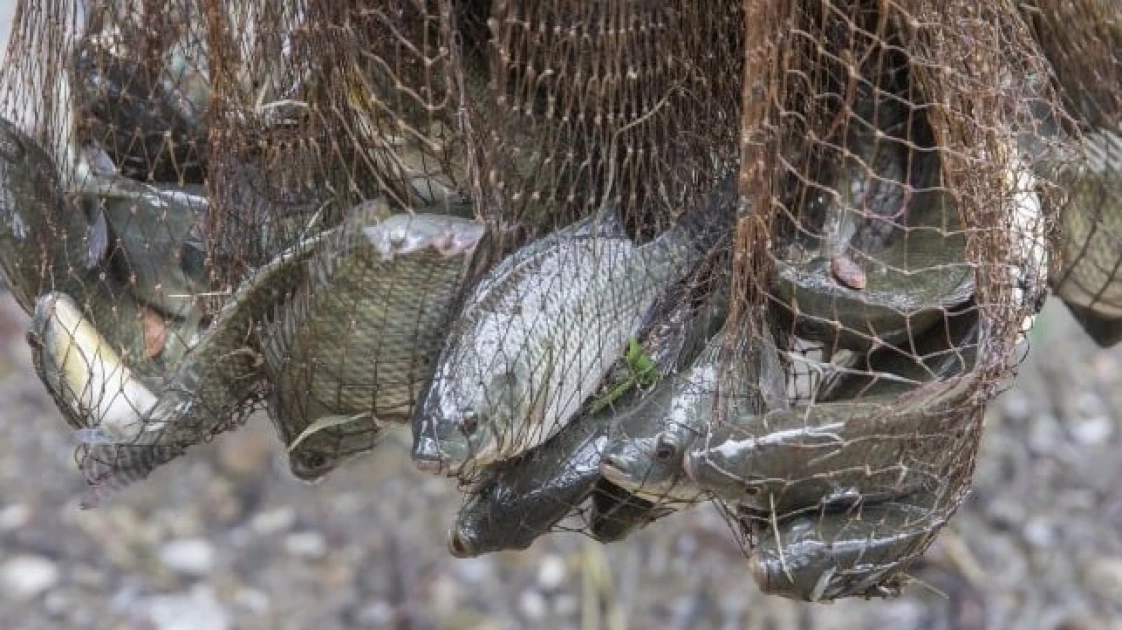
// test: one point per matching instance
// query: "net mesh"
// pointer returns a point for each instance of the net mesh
(608, 260)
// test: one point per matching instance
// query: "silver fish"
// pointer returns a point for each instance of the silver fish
(150, 227)
(729, 380)
(862, 552)
(874, 447)
(910, 287)
(537, 337)
(95, 390)
(873, 191)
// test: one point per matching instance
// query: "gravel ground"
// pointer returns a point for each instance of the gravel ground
(226, 538)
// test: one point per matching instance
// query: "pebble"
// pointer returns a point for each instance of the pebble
(188, 556)
(1092, 431)
(476, 570)
(1039, 532)
(551, 572)
(1104, 576)
(26, 577)
(273, 522)
(14, 516)
(532, 604)
(253, 600)
(1016, 406)
(379, 614)
(309, 544)
(197, 610)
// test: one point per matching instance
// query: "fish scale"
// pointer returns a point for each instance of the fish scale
(541, 332)
(358, 340)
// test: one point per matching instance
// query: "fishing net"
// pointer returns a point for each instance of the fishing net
(607, 260)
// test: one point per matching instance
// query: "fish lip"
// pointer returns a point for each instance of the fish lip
(458, 546)
(611, 470)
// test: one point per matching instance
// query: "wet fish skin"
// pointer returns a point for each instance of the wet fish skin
(47, 243)
(125, 106)
(200, 398)
(862, 552)
(518, 500)
(538, 335)
(1089, 280)
(150, 227)
(916, 279)
(357, 340)
(873, 191)
(646, 449)
(44, 240)
(96, 392)
(871, 448)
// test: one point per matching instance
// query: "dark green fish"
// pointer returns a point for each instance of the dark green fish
(873, 187)
(290, 333)
(150, 246)
(516, 501)
(861, 552)
(1089, 278)
(910, 284)
(350, 351)
(734, 377)
(874, 447)
(123, 105)
(48, 243)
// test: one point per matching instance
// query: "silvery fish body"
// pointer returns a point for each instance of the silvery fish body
(150, 227)
(838, 452)
(92, 387)
(728, 381)
(536, 338)
(873, 191)
(48, 243)
(864, 552)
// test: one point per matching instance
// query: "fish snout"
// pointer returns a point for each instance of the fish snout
(615, 467)
(458, 545)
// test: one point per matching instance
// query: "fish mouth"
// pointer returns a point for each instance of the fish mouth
(615, 469)
(459, 546)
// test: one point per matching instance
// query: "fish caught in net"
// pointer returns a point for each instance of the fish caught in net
(607, 260)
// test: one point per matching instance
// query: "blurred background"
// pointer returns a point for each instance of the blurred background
(226, 538)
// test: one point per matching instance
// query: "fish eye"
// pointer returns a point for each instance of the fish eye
(315, 461)
(665, 449)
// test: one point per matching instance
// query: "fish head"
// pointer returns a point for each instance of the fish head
(466, 420)
(328, 442)
(646, 452)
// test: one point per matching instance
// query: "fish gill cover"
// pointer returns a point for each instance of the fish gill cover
(601, 261)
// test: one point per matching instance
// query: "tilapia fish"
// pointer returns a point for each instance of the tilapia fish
(517, 500)
(1089, 279)
(909, 287)
(285, 331)
(521, 499)
(731, 379)
(351, 349)
(123, 105)
(48, 243)
(539, 334)
(870, 448)
(149, 238)
(92, 387)
(862, 552)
